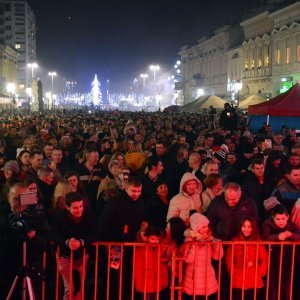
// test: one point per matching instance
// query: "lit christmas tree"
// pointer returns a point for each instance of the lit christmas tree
(96, 95)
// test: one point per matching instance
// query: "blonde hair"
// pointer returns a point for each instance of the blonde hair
(62, 188)
(136, 147)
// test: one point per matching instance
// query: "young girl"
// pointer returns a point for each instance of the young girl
(246, 276)
(199, 278)
(150, 269)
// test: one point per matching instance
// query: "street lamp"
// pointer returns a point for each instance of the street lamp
(144, 76)
(154, 68)
(11, 89)
(32, 66)
(52, 74)
(238, 87)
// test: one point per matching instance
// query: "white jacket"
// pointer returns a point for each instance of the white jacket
(181, 204)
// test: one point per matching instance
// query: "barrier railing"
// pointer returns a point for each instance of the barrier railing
(225, 270)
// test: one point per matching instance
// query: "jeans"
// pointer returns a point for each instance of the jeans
(64, 269)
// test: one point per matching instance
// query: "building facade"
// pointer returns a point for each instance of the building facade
(265, 60)
(18, 30)
(8, 67)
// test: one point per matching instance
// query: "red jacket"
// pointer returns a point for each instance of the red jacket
(236, 266)
(150, 272)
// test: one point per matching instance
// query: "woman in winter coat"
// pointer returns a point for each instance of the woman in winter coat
(199, 278)
(247, 275)
(188, 199)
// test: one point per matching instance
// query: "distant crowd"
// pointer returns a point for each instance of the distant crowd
(175, 179)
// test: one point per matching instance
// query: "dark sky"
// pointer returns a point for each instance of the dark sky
(118, 39)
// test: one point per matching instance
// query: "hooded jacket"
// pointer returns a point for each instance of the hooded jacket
(182, 203)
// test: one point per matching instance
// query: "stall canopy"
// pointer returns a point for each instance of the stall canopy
(286, 104)
(204, 102)
(251, 100)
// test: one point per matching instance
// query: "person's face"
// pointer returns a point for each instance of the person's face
(231, 159)
(209, 141)
(276, 163)
(32, 187)
(190, 187)
(212, 169)
(28, 144)
(218, 188)
(25, 159)
(76, 209)
(294, 160)
(48, 151)
(232, 197)
(138, 138)
(185, 154)
(204, 230)
(258, 170)
(193, 161)
(159, 168)
(160, 149)
(281, 220)
(115, 170)
(134, 192)
(57, 156)
(13, 199)
(278, 139)
(246, 228)
(181, 140)
(153, 239)
(36, 161)
(162, 191)
(8, 173)
(120, 159)
(93, 158)
(294, 177)
(73, 182)
(53, 142)
(48, 179)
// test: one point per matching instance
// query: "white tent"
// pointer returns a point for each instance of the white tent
(251, 100)
(214, 101)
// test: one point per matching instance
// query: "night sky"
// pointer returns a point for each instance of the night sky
(119, 39)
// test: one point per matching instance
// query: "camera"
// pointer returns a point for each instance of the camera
(27, 219)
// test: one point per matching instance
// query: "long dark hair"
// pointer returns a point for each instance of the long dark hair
(177, 228)
(255, 235)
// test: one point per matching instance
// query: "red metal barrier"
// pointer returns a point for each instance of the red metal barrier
(114, 269)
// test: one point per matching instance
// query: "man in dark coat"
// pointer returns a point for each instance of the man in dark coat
(120, 221)
(255, 186)
(73, 229)
(225, 212)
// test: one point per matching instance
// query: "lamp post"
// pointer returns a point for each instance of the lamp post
(32, 66)
(144, 77)
(154, 68)
(238, 87)
(52, 74)
(11, 89)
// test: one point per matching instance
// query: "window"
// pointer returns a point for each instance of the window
(267, 61)
(17, 46)
(298, 53)
(259, 63)
(278, 57)
(288, 55)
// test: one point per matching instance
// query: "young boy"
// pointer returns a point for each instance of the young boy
(279, 228)
(73, 229)
(147, 272)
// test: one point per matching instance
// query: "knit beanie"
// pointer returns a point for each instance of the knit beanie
(197, 221)
(220, 155)
(13, 165)
(270, 203)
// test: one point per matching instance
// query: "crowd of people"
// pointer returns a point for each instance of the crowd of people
(152, 178)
